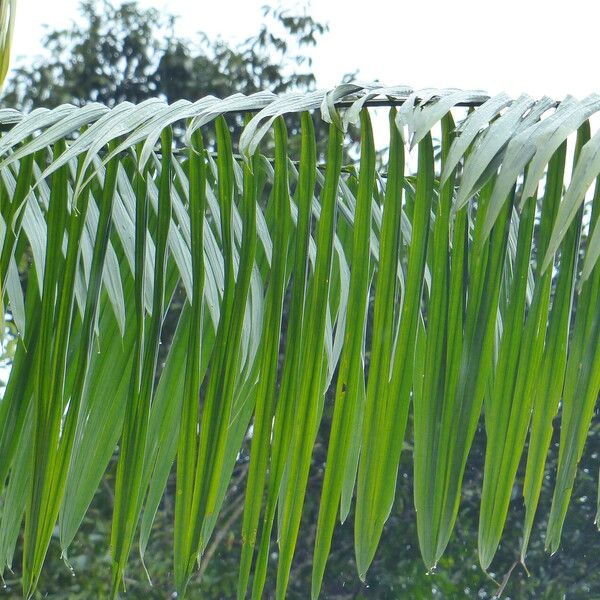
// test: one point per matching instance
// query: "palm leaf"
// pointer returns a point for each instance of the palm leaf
(467, 290)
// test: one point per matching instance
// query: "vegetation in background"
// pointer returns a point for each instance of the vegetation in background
(128, 53)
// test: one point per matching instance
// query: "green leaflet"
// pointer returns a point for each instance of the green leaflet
(388, 395)
(504, 410)
(12, 214)
(18, 392)
(269, 357)
(128, 492)
(50, 470)
(348, 408)
(100, 419)
(518, 373)
(581, 388)
(15, 497)
(217, 409)
(103, 409)
(309, 382)
(465, 385)
(47, 399)
(444, 320)
(286, 405)
(553, 360)
(16, 421)
(187, 447)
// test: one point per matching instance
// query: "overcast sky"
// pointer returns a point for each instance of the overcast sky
(535, 46)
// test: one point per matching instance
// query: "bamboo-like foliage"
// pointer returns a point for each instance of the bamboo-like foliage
(466, 291)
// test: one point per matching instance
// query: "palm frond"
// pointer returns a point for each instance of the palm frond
(462, 294)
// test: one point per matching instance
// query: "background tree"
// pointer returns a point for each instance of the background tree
(129, 53)
(126, 52)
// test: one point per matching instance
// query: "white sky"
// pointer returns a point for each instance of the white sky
(540, 47)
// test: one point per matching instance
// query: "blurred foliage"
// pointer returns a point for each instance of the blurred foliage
(130, 53)
(123, 53)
